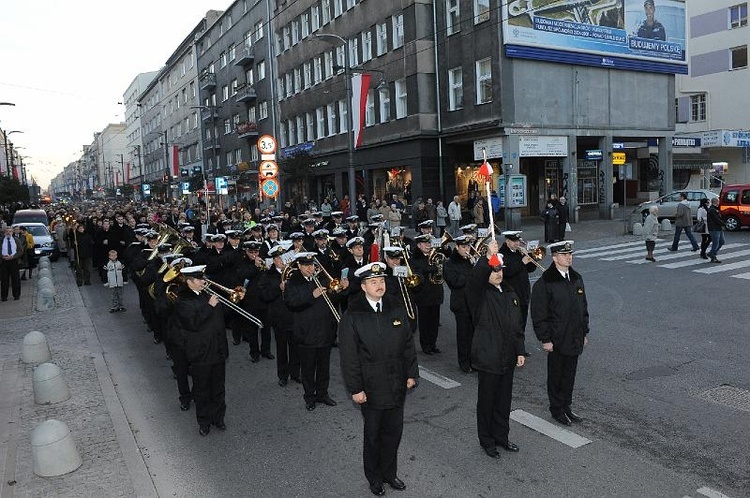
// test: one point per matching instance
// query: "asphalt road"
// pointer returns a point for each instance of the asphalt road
(663, 386)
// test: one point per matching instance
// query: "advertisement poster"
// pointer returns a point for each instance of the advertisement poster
(629, 34)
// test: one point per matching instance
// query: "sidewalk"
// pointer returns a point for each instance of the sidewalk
(112, 464)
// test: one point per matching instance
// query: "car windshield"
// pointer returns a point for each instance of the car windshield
(37, 231)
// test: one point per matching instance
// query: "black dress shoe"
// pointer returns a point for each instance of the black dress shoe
(255, 358)
(203, 430)
(436, 350)
(283, 382)
(573, 417)
(268, 356)
(296, 379)
(236, 342)
(492, 452)
(428, 352)
(467, 370)
(326, 400)
(562, 418)
(508, 446)
(377, 489)
(397, 483)
(221, 426)
(185, 406)
(310, 406)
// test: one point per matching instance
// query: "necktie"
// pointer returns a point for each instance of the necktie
(567, 277)
(377, 307)
(8, 250)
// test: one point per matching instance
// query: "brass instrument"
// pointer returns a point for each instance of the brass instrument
(286, 273)
(436, 259)
(229, 301)
(334, 284)
(403, 284)
(480, 247)
(324, 293)
(412, 280)
(537, 254)
(235, 295)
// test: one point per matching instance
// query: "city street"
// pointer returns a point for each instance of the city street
(664, 342)
(662, 386)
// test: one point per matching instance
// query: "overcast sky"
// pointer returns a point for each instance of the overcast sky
(66, 65)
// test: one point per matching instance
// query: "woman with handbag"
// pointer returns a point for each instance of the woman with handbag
(701, 227)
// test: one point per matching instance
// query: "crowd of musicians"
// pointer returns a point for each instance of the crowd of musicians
(319, 283)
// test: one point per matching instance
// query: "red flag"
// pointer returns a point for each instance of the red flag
(374, 252)
(175, 160)
(496, 260)
(360, 87)
(485, 171)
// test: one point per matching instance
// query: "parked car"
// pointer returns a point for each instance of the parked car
(44, 243)
(734, 205)
(668, 204)
(24, 216)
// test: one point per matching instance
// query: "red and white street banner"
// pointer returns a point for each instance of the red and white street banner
(127, 172)
(175, 160)
(360, 87)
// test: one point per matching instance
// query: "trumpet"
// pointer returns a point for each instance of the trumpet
(229, 302)
(537, 254)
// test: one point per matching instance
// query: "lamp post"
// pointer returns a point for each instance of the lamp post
(349, 117)
(8, 159)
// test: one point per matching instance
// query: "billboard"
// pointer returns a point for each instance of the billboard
(641, 35)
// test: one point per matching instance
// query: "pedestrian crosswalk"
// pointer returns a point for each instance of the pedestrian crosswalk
(735, 257)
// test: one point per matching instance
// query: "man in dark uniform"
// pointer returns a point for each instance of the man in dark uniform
(338, 244)
(200, 319)
(651, 28)
(428, 296)
(559, 312)
(308, 240)
(357, 259)
(457, 270)
(314, 328)
(352, 229)
(270, 289)
(518, 265)
(496, 350)
(175, 339)
(397, 286)
(335, 221)
(379, 365)
(248, 273)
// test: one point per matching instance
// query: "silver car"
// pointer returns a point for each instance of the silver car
(44, 243)
(668, 204)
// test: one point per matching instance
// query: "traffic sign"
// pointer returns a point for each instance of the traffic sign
(268, 169)
(618, 158)
(270, 187)
(267, 144)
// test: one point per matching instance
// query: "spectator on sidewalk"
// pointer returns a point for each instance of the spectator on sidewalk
(715, 229)
(563, 213)
(12, 252)
(454, 215)
(651, 232)
(683, 221)
(442, 216)
(28, 255)
(114, 270)
(703, 218)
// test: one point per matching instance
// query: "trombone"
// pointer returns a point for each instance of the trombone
(536, 254)
(324, 293)
(229, 302)
(412, 280)
(334, 283)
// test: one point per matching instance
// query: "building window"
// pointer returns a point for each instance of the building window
(286, 38)
(283, 140)
(317, 70)
(338, 7)
(310, 121)
(481, 11)
(263, 110)
(738, 16)
(232, 53)
(237, 156)
(261, 68)
(223, 59)
(258, 30)
(328, 63)
(366, 46)
(280, 86)
(343, 116)
(224, 93)
(305, 22)
(401, 105)
(233, 87)
(235, 119)
(452, 17)
(248, 39)
(385, 105)
(315, 11)
(455, 89)
(292, 132)
(300, 129)
(297, 80)
(354, 52)
(307, 68)
(381, 32)
(227, 126)
(370, 108)
(251, 114)
(331, 112)
(698, 107)
(320, 115)
(288, 84)
(484, 81)
(295, 32)
(739, 57)
(398, 31)
(326, 8)
(350, 4)
(254, 152)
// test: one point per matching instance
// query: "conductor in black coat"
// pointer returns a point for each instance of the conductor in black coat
(379, 365)
(497, 348)
(559, 311)
(200, 319)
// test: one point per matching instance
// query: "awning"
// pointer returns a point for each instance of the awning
(691, 161)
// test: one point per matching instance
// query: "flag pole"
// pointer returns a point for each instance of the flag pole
(487, 180)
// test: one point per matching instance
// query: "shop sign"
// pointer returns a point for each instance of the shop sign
(492, 146)
(618, 158)
(553, 146)
(522, 131)
(686, 142)
(594, 155)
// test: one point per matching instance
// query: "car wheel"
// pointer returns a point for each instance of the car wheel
(732, 223)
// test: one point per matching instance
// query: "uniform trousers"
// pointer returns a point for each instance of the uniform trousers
(494, 396)
(180, 368)
(464, 336)
(287, 358)
(9, 279)
(208, 392)
(315, 366)
(561, 377)
(429, 321)
(383, 430)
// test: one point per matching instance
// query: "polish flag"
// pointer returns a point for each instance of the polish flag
(175, 160)
(360, 86)
(485, 171)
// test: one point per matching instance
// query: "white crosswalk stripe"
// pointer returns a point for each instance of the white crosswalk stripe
(634, 253)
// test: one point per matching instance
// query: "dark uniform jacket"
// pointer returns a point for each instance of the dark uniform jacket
(314, 324)
(377, 351)
(426, 293)
(559, 311)
(456, 271)
(202, 327)
(516, 273)
(270, 292)
(498, 336)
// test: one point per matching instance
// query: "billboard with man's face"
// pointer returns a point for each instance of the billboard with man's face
(641, 35)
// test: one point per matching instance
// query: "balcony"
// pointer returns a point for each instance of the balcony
(208, 115)
(247, 56)
(245, 94)
(246, 130)
(208, 81)
(211, 144)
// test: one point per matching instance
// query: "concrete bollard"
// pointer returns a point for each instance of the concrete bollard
(49, 385)
(666, 225)
(45, 299)
(44, 260)
(45, 282)
(35, 348)
(44, 273)
(53, 450)
(44, 263)
(637, 229)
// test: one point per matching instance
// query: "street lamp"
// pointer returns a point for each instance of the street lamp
(8, 162)
(349, 117)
